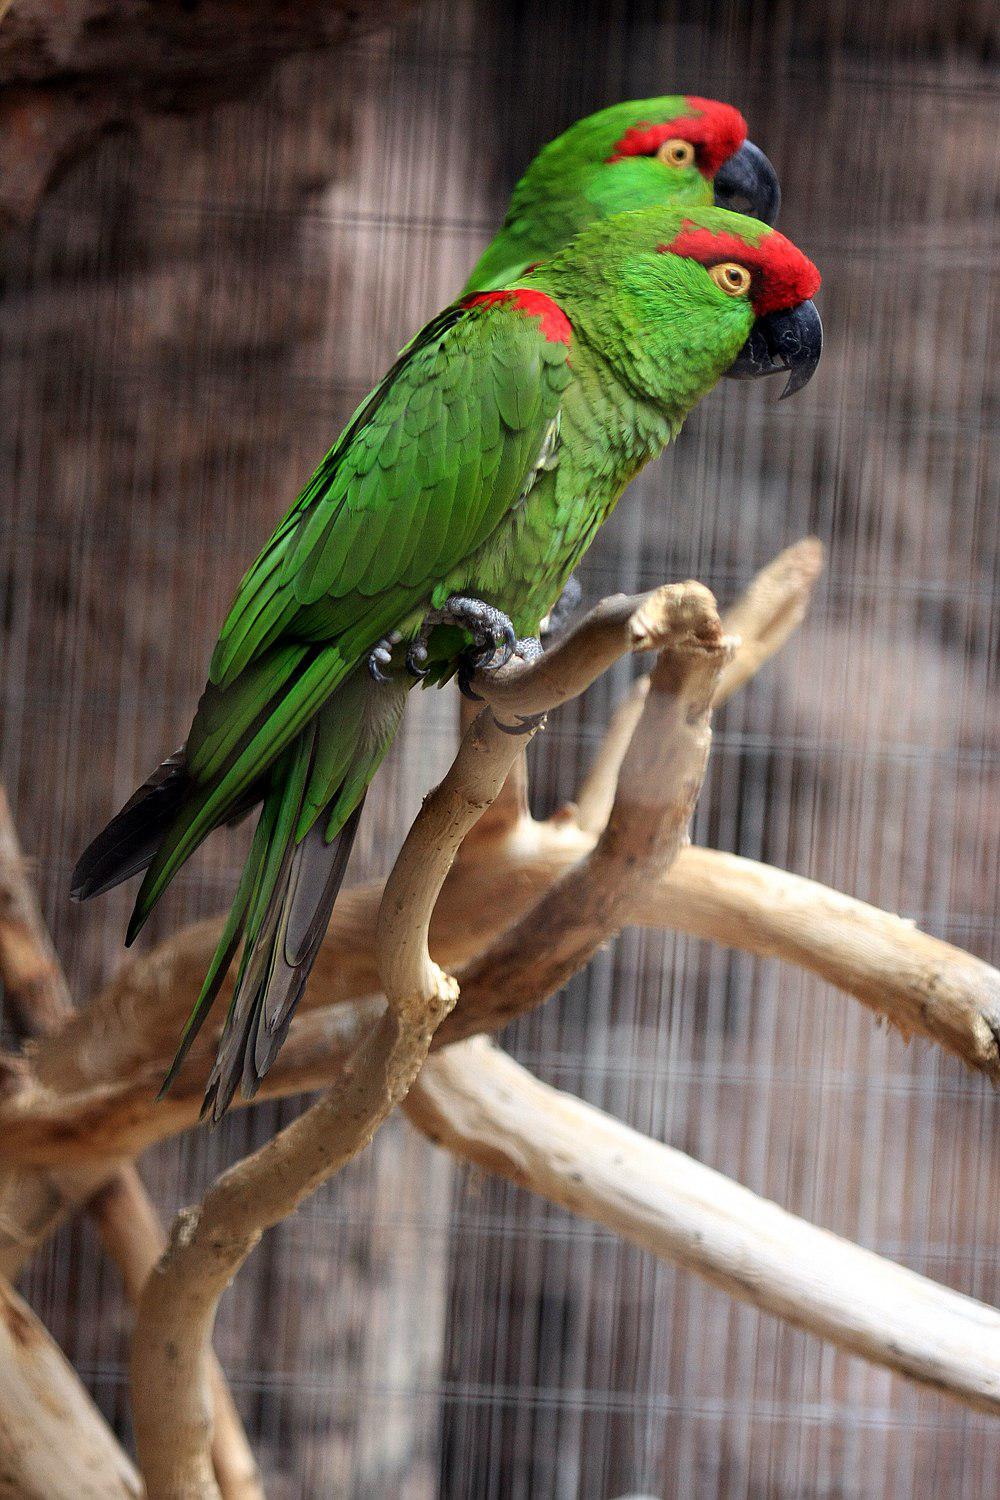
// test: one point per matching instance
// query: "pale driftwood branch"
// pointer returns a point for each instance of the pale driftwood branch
(485, 1108)
(99, 1073)
(620, 624)
(32, 1203)
(131, 1220)
(923, 985)
(510, 805)
(660, 779)
(770, 611)
(518, 864)
(208, 1245)
(762, 619)
(34, 986)
(107, 1121)
(54, 1443)
(171, 1391)
(171, 1394)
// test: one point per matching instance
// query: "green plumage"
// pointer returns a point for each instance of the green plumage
(481, 465)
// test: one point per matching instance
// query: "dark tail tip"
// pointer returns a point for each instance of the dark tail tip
(129, 842)
(291, 934)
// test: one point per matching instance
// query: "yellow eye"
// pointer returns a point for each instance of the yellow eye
(676, 153)
(731, 277)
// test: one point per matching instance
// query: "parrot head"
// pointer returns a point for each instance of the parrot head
(676, 150)
(676, 298)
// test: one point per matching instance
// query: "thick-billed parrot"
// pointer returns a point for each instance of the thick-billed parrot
(453, 507)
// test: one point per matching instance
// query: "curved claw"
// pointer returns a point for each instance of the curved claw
(494, 649)
(416, 659)
(527, 649)
(526, 723)
(465, 671)
(380, 658)
(508, 643)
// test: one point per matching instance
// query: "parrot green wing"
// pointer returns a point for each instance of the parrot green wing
(427, 468)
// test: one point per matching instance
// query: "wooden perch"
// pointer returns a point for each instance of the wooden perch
(95, 1081)
(54, 1443)
(129, 1227)
(525, 906)
(762, 620)
(484, 1107)
(922, 985)
(106, 1106)
(35, 992)
(171, 1396)
(660, 779)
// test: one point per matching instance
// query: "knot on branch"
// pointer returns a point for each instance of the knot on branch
(429, 1003)
(684, 616)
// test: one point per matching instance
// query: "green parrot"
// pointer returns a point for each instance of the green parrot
(451, 509)
(679, 150)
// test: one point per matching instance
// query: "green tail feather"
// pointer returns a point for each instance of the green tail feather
(229, 942)
(260, 748)
(290, 882)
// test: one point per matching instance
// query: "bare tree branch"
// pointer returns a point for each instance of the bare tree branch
(557, 891)
(171, 1395)
(770, 610)
(660, 779)
(54, 1443)
(131, 1219)
(34, 986)
(485, 1108)
(31, 1203)
(922, 985)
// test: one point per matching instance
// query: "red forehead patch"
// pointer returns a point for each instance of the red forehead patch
(782, 275)
(717, 131)
(552, 320)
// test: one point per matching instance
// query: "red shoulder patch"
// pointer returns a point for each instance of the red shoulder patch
(717, 131)
(782, 275)
(552, 320)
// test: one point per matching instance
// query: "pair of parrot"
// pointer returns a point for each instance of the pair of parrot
(443, 524)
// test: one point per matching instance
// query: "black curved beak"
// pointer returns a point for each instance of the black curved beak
(748, 184)
(791, 341)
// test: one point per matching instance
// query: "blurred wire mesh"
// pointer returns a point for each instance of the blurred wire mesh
(185, 328)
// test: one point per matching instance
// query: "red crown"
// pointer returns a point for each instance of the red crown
(782, 275)
(717, 130)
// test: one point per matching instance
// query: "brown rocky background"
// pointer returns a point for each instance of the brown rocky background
(219, 220)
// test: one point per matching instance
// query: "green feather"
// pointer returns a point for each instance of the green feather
(232, 932)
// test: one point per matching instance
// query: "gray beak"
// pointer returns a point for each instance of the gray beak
(791, 340)
(748, 184)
